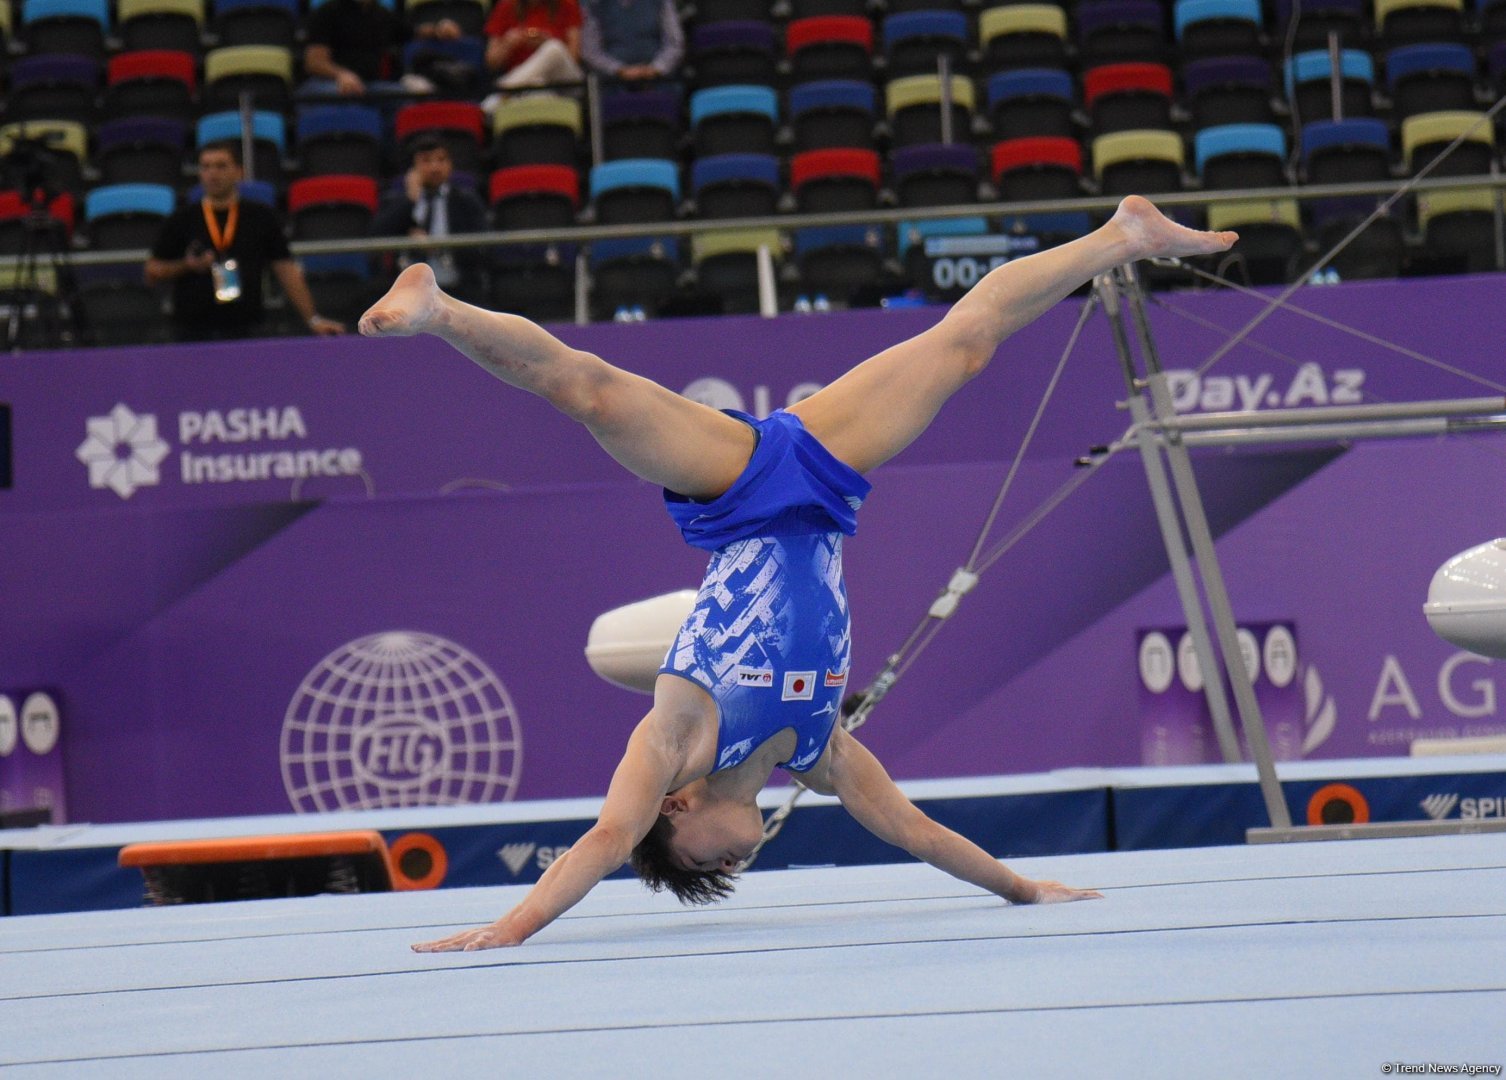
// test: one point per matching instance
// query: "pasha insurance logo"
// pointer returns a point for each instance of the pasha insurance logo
(122, 451)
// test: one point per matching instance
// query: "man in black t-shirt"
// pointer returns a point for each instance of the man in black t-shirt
(216, 251)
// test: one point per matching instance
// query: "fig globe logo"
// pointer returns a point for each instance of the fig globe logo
(400, 719)
(122, 451)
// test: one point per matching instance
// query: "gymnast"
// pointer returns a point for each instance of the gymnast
(756, 673)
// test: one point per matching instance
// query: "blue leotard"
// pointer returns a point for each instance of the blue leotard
(770, 637)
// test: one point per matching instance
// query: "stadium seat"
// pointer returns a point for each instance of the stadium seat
(172, 25)
(842, 262)
(1352, 151)
(634, 272)
(830, 47)
(1138, 162)
(78, 27)
(831, 113)
(913, 104)
(733, 120)
(1235, 156)
(538, 129)
(1228, 90)
(1430, 78)
(835, 180)
(726, 264)
(635, 190)
(534, 197)
(1307, 84)
(1270, 245)
(1127, 97)
(1037, 168)
(535, 281)
(469, 15)
(126, 216)
(1425, 136)
(1417, 22)
(53, 87)
(331, 207)
(1319, 18)
(457, 124)
(153, 82)
(339, 140)
(1119, 31)
(1458, 231)
(141, 150)
(935, 175)
(1023, 36)
(18, 225)
(67, 143)
(735, 185)
(1217, 28)
(265, 72)
(641, 123)
(456, 68)
(1346, 151)
(914, 41)
(1031, 101)
(740, 53)
(255, 22)
(269, 140)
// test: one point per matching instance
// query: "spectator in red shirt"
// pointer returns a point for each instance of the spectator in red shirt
(533, 43)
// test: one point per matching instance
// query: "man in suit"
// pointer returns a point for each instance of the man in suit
(429, 205)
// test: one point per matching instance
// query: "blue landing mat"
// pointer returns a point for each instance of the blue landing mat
(1323, 959)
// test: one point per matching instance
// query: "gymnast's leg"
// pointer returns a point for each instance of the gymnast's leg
(660, 436)
(879, 407)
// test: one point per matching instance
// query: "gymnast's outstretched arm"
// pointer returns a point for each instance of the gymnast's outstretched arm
(653, 759)
(856, 777)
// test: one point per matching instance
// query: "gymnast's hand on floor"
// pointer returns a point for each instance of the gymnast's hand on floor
(1054, 892)
(499, 935)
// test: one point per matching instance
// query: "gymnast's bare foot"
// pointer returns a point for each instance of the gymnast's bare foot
(412, 306)
(1150, 234)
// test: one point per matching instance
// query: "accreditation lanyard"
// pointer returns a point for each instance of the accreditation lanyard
(222, 239)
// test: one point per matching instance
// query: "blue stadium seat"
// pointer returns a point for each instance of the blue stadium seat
(734, 119)
(1031, 101)
(79, 27)
(831, 113)
(1228, 90)
(634, 190)
(268, 133)
(1307, 77)
(915, 40)
(842, 262)
(1430, 78)
(638, 271)
(126, 216)
(340, 140)
(735, 185)
(1240, 156)
(1217, 27)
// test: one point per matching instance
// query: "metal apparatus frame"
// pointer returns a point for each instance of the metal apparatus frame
(1163, 439)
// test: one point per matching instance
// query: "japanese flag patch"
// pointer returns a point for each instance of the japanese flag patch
(799, 686)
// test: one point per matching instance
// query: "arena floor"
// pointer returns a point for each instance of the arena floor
(1328, 959)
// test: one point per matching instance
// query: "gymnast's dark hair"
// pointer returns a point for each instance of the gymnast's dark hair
(655, 866)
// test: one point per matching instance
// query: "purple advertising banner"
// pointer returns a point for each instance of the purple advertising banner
(338, 574)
